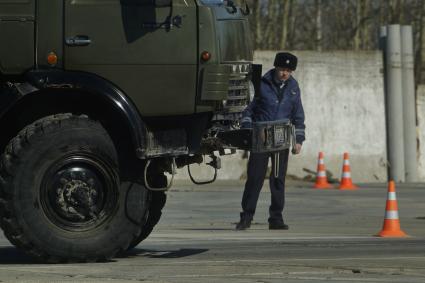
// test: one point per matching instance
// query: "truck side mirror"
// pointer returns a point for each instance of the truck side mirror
(256, 74)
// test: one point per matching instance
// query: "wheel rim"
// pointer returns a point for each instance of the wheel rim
(79, 192)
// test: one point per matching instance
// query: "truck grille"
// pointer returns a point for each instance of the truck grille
(238, 94)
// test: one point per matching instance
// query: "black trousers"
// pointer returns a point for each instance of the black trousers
(257, 168)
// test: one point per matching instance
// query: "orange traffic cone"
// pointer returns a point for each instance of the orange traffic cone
(346, 182)
(391, 222)
(321, 179)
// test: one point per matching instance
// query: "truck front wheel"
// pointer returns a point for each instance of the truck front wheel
(60, 193)
(156, 204)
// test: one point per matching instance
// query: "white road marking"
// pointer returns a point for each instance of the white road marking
(55, 267)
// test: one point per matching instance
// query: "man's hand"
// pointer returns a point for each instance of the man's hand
(296, 149)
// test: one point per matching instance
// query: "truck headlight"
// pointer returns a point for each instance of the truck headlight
(251, 91)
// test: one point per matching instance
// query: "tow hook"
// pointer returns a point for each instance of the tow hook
(170, 183)
(215, 163)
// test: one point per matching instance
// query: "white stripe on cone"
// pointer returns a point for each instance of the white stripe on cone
(346, 175)
(346, 162)
(391, 214)
(392, 196)
(321, 174)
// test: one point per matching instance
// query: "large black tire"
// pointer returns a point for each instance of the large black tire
(60, 193)
(156, 204)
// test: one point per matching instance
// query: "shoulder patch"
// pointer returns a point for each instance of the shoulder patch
(294, 91)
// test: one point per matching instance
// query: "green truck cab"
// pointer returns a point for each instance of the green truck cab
(98, 99)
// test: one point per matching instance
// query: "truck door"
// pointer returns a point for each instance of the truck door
(148, 52)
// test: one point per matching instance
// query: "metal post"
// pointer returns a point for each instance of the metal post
(395, 104)
(383, 38)
(383, 33)
(409, 113)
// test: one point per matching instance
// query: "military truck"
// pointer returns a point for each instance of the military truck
(98, 100)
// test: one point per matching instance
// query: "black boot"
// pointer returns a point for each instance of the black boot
(245, 222)
(278, 226)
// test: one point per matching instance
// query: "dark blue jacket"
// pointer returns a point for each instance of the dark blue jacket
(268, 107)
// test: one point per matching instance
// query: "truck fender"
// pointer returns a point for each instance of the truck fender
(91, 83)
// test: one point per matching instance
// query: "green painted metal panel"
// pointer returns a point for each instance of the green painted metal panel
(215, 82)
(207, 34)
(235, 45)
(17, 34)
(132, 46)
(49, 31)
(17, 9)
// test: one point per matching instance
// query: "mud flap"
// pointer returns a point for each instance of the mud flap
(136, 202)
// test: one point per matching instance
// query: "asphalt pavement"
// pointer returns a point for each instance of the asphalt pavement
(331, 239)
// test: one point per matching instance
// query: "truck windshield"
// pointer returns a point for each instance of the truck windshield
(212, 2)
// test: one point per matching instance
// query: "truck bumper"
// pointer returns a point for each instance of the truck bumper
(270, 136)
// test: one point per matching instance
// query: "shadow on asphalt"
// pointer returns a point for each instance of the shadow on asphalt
(180, 253)
(11, 255)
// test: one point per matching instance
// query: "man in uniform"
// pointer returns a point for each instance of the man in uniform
(279, 99)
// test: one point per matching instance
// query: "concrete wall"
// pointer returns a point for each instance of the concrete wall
(343, 98)
(421, 131)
